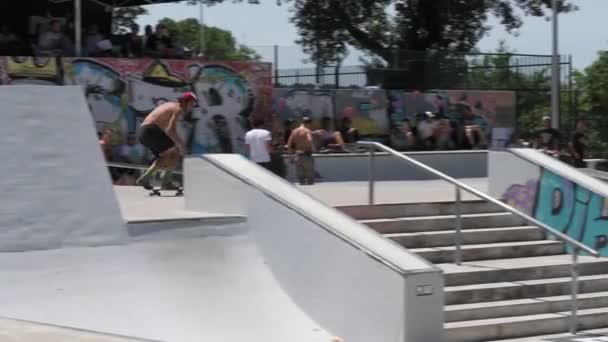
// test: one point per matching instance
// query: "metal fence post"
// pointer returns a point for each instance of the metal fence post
(372, 157)
(574, 272)
(276, 65)
(457, 237)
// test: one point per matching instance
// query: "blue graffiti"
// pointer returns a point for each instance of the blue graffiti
(573, 210)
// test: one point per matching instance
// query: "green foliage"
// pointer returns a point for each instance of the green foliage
(592, 85)
(218, 44)
(123, 18)
(379, 27)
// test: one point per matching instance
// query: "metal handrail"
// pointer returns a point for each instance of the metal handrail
(577, 246)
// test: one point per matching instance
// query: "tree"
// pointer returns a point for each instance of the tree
(592, 85)
(379, 27)
(123, 18)
(218, 44)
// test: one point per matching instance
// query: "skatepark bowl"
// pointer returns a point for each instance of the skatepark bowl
(247, 256)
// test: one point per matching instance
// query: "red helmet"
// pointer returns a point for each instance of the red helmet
(188, 96)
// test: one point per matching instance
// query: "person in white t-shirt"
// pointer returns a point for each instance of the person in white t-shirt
(258, 142)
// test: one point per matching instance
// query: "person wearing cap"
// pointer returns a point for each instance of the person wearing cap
(547, 138)
(159, 134)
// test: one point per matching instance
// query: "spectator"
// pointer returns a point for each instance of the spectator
(132, 152)
(402, 136)
(160, 43)
(547, 138)
(443, 132)
(53, 42)
(475, 126)
(134, 45)
(327, 137)
(427, 131)
(7, 38)
(301, 144)
(578, 145)
(91, 41)
(259, 144)
(349, 134)
(106, 143)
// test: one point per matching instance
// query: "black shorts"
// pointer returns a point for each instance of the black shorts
(154, 138)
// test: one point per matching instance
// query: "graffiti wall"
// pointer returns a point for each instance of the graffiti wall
(381, 113)
(293, 104)
(121, 92)
(571, 207)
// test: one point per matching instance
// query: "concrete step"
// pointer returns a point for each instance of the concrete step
(468, 236)
(510, 270)
(522, 326)
(479, 293)
(593, 335)
(387, 211)
(492, 251)
(443, 222)
(523, 307)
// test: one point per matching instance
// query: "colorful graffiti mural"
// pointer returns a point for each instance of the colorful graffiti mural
(564, 205)
(293, 104)
(121, 92)
(378, 113)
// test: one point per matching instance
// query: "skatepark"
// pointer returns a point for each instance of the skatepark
(247, 256)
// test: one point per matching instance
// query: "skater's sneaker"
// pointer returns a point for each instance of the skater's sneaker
(144, 183)
(169, 186)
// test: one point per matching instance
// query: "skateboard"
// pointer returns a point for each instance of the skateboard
(157, 192)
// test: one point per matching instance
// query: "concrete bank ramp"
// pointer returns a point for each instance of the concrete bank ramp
(55, 187)
(191, 289)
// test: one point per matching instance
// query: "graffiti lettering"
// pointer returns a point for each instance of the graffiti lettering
(565, 206)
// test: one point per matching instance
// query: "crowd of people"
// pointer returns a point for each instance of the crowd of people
(54, 39)
(300, 141)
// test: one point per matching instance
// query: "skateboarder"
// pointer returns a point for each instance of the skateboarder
(159, 134)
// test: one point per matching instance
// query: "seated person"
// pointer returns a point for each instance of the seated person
(402, 136)
(444, 134)
(327, 138)
(475, 135)
(427, 131)
(349, 134)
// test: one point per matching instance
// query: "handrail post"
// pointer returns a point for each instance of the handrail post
(372, 176)
(457, 236)
(574, 272)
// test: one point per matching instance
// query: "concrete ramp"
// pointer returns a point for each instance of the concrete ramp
(55, 185)
(185, 287)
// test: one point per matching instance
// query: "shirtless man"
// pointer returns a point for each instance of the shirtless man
(302, 144)
(159, 134)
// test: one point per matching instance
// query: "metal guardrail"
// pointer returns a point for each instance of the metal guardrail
(576, 245)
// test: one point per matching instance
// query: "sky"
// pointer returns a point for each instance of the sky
(265, 25)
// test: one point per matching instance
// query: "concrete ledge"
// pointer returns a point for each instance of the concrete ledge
(334, 268)
(355, 166)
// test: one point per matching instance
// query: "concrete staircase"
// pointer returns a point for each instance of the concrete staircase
(513, 282)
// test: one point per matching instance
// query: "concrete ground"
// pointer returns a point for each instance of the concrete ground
(137, 205)
(24, 331)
